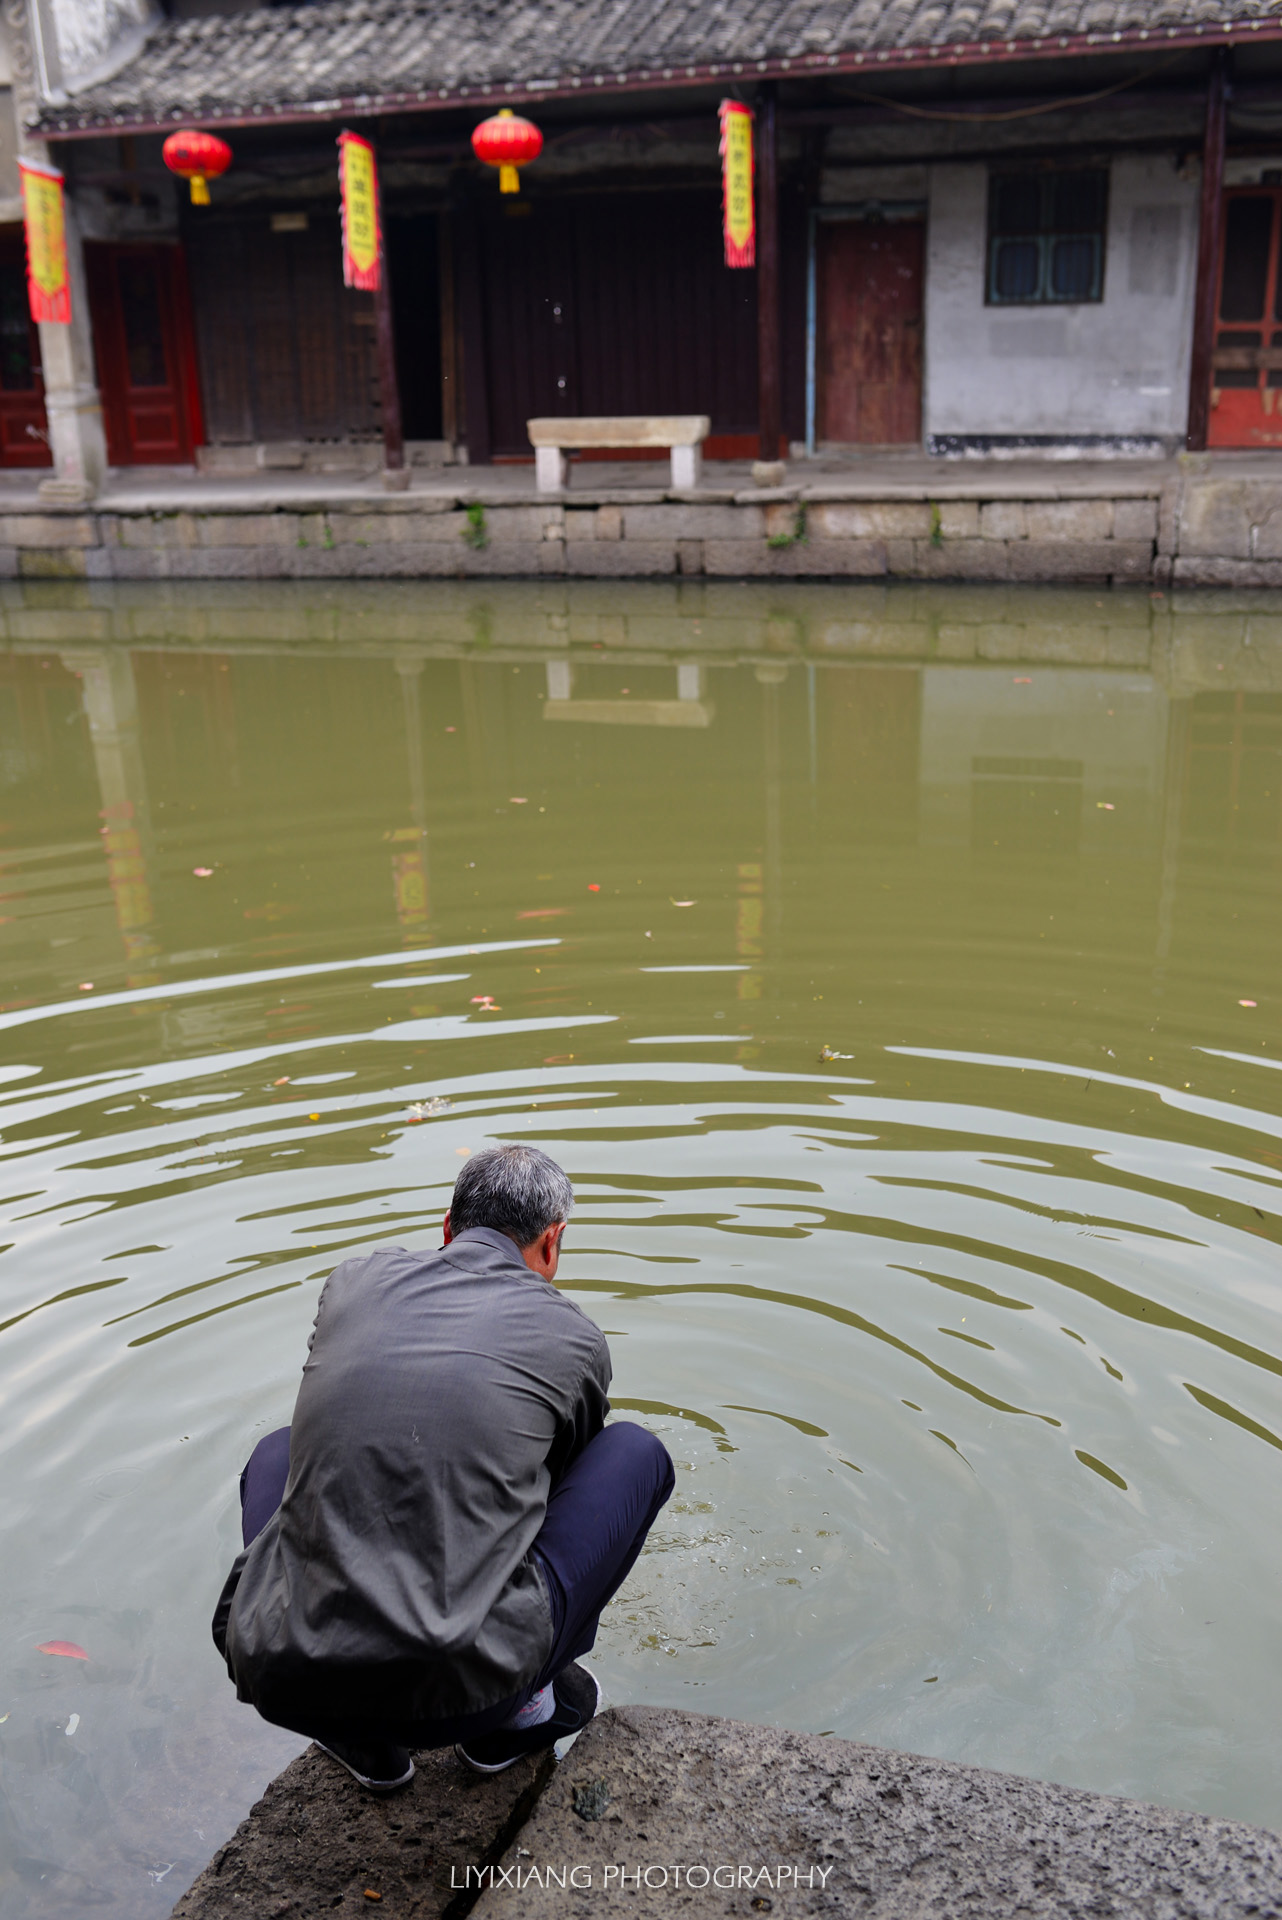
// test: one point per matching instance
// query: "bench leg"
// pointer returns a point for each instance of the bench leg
(549, 469)
(687, 467)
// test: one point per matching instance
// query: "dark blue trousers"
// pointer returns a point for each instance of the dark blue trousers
(598, 1516)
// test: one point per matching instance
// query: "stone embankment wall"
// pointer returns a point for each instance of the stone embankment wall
(1184, 526)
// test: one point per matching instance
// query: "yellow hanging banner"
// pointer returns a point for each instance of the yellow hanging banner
(740, 224)
(48, 283)
(358, 179)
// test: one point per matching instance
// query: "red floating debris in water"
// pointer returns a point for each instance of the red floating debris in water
(67, 1648)
(202, 873)
(540, 913)
(593, 887)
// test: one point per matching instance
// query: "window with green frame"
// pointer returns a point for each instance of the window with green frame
(1046, 236)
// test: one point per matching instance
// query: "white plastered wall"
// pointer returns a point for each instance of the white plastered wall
(1116, 368)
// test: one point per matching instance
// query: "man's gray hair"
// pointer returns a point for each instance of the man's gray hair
(516, 1190)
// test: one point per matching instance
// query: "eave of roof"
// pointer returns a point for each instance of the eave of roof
(66, 124)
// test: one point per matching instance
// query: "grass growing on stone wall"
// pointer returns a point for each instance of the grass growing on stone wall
(476, 534)
(797, 538)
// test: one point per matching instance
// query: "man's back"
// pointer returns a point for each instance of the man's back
(443, 1397)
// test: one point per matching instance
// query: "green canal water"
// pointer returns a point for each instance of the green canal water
(897, 975)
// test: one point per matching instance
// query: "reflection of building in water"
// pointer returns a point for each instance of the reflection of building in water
(1232, 765)
(1051, 757)
(409, 861)
(866, 723)
(689, 709)
(111, 706)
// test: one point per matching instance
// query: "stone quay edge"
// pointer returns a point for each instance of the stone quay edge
(656, 1811)
(1145, 523)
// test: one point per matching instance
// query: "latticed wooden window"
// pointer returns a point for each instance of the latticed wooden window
(1046, 236)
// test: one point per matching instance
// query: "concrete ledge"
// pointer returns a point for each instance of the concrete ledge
(857, 1830)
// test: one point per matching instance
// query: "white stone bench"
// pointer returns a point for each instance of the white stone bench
(682, 433)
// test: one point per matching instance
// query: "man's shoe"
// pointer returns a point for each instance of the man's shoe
(376, 1764)
(577, 1693)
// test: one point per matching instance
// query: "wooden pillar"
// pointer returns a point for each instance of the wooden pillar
(769, 413)
(476, 399)
(389, 387)
(1209, 245)
(450, 411)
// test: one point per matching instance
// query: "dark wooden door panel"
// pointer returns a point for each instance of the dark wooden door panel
(286, 351)
(870, 278)
(615, 305)
(24, 430)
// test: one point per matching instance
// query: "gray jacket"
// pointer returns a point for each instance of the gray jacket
(444, 1395)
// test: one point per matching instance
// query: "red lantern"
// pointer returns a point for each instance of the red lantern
(507, 142)
(198, 157)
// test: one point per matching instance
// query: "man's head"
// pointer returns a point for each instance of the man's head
(518, 1191)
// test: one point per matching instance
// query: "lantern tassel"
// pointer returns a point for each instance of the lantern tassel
(199, 190)
(509, 180)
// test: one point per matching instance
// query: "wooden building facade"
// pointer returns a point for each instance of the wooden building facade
(976, 245)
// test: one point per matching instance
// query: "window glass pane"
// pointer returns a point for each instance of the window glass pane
(1073, 269)
(1016, 270)
(1016, 203)
(1077, 202)
(1247, 231)
(17, 375)
(140, 311)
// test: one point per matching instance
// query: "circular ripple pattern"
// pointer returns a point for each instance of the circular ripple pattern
(960, 1419)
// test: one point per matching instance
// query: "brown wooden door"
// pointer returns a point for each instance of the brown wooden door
(24, 430)
(870, 314)
(142, 337)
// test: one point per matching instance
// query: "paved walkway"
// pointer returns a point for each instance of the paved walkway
(828, 477)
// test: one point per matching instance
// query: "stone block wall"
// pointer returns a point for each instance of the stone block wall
(1195, 527)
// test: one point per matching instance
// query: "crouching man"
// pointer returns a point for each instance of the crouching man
(429, 1545)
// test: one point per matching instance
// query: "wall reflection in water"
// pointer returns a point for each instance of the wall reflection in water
(268, 730)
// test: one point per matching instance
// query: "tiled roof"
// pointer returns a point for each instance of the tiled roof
(357, 53)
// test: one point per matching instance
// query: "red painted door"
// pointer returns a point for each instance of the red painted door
(1246, 366)
(146, 362)
(870, 324)
(24, 431)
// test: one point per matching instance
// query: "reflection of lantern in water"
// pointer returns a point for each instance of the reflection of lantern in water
(198, 157)
(507, 142)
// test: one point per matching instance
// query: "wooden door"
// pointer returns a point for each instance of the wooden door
(24, 430)
(618, 304)
(870, 323)
(146, 363)
(1246, 365)
(286, 351)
